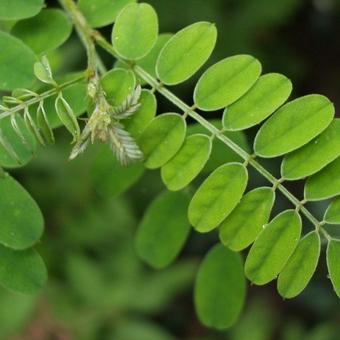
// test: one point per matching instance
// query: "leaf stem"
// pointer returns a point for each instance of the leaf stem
(40, 97)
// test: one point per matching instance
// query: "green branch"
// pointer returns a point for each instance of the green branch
(40, 97)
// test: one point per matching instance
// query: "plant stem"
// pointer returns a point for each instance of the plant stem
(40, 97)
(101, 41)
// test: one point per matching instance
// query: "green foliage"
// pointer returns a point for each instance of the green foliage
(300, 267)
(161, 139)
(325, 183)
(188, 162)
(267, 95)
(246, 221)
(294, 125)
(22, 271)
(117, 84)
(208, 157)
(333, 253)
(135, 31)
(332, 214)
(20, 9)
(21, 220)
(273, 247)
(315, 155)
(44, 32)
(102, 12)
(226, 81)
(16, 65)
(186, 52)
(220, 288)
(166, 221)
(217, 196)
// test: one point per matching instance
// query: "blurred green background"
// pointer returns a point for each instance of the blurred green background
(98, 288)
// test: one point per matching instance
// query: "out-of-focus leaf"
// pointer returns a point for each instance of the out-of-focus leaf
(164, 229)
(220, 288)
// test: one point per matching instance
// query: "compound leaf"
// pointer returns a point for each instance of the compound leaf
(117, 84)
(44, 32)
(220, 288)
(186, 52)
(144, 114)
(332, 215)
(273, 247)
(161, 139)
(19, 9)
(268, 94)
(294, 125)
(187, 163)
(246, 221)
(164, 229)
(135, 31)
(313, 156)
(21, 219)
(22, 271)
(325, 184)
(100, 13)
(16, 63)
(226, 81)
(218, 195)
(300, 267)
(333, 255)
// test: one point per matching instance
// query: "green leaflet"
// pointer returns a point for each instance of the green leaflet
(220, 154)
(186, 52)
(161, 139)
(220, 288)
(22, 271)
(15, 150)
(44, 32)
(21, 220)
(100, 13)
(164, 229)
(332, 214)
(136, 124)
(293, 125)
(268, 94)
(300, 267)
(242, 226)
(218, 195)
(226, 81)
(19, 9)
(148, 63)
(135, 31)
(333, 255)
(273, 247)
(187, 163)
(109, 177)
(117, 84)
(325, 184)
(16, 63)
(313, 156)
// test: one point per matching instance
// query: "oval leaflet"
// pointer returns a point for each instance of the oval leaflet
(217, 196)
(220, 288)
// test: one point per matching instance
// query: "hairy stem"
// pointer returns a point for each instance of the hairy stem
(101, 41)
(40, 97)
